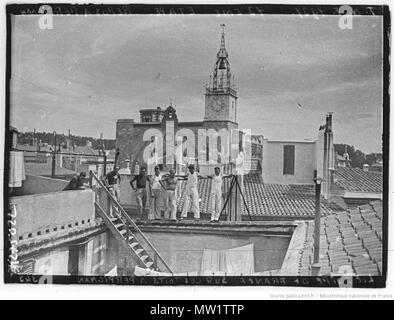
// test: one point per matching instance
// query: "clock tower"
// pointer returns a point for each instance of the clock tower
(220, 94)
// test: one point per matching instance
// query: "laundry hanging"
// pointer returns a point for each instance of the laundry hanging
(229, 262)
(17, 169)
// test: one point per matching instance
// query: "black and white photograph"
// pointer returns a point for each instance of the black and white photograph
(226, 145)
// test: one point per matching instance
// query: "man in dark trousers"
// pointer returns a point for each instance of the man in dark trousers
(76, 182)
(113, 181)
(140, 190)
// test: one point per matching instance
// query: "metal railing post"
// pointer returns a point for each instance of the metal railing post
(155, 260)
(90, 179)
(124, 216)
(127, 230)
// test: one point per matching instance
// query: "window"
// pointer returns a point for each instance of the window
(288, 159)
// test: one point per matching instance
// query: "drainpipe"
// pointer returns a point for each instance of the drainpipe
(325, 159)
(316, 240)
(329, 160)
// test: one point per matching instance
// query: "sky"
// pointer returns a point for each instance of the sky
(89, 71)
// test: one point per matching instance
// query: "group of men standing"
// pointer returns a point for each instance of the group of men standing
(161, 185)
(169, 183)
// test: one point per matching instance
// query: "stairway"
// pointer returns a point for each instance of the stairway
(125, 229)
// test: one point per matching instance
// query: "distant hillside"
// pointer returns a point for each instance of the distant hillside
(48, 137)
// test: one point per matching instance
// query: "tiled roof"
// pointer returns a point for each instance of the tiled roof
(29, 148)
(270, 200)
(358, 180)
(85, 150)
(351, 238)
(282, 200)
(45, 169)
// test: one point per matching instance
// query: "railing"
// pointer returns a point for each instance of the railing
(223, 89)
(131, 226)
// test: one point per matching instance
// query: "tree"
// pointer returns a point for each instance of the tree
(48, 137)
(357, 157)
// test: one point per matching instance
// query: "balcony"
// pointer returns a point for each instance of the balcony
(223, 90)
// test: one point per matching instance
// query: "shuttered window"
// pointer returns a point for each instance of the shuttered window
(288, 159)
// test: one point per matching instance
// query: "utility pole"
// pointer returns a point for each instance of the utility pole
(54, 157)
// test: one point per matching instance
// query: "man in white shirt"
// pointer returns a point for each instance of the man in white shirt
(192, 197)
(216, 194)
(155, 191)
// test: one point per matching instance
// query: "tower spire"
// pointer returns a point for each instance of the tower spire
(221, 94)
(222, 42)
(222, 78)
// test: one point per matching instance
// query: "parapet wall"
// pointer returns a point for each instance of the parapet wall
(40, 214)
(38, 185)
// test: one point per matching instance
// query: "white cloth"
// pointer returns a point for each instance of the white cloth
(240, 163)
(217, 182)
(17, 169)
(141, 272)
(156, 182)
(216, 196)
(155, 212)
(113, 272)
(216, 203)
(192, 180)
(193, 199)
(236, 261)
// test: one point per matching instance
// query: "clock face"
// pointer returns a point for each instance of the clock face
(217, 104)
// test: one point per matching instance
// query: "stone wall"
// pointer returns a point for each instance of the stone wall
(129, 137)
(41, 212)
(38, 185)
(183, 251)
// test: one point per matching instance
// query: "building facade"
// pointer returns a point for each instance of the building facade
(160, 138)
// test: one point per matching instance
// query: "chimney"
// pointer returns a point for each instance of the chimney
(68, 140)
(328, 156)
(89, 143)
(346, 156)
(366, 167)
(34, 138)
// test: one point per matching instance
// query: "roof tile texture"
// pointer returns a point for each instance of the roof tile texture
(352, 238)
